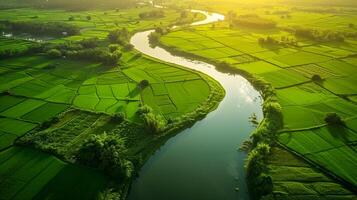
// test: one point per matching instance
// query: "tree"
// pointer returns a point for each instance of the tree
(89, 18)
(154, 38)
(118, 117)
(106, 152)
(89, 43)
(128, 47)
(333, 119)
(316, 78)
(154, 123)
(71, 18)
(120, 36)
(113, 47)
(184, 14)
(143, 84)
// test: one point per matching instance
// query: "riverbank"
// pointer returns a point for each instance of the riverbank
(225, 52)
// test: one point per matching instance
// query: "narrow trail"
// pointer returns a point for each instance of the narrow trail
(201, 162)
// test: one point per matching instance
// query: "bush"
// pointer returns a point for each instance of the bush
(89, 43)
(154, 38)
(143, 84)
(316, 78)
(154, 123)
(118, 117)
(144, 110)
(128, 47)
(54, 53)
(113, 47)
(333, 119)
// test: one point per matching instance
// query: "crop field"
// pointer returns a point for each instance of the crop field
(13, 44)
(81, 109)
(290, 69)
(27, 173)
(294, 178)
(50, 106)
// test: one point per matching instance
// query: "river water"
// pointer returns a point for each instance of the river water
(201, 162)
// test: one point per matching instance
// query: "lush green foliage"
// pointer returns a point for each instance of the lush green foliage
(107, 153)
(36, 28)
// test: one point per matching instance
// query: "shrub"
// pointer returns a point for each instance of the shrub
(113, 47)
(333, 119)
(54, 53)
(316, 78)
(143, 84)
(118, 117)
(89, 43)
(48, 123)
(144, 110)
(154, 123)
(120, 36)
(154, 38)
(128, 47)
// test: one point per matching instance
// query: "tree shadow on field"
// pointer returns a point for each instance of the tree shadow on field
(339, 132)
(74, 182)
(134, 92)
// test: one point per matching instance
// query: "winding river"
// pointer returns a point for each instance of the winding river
(202, 162)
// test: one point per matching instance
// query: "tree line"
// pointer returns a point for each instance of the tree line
(40, 28)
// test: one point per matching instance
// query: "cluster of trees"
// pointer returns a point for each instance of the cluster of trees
(119, 36)
(154, 14)
(186, 17)
(251, 21)
(41, 28)
(270, 41)
(86, 49)
(31, 49)
(154, 37)
(155, 123)
(334, 119)
(256, 165)
(262, 138)
(108, 153)
(319, 36)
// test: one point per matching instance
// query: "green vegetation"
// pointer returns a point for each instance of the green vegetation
(305, 76)
(37, 28)
(72, 98)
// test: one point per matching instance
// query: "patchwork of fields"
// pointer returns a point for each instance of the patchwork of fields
(289, 69)
(35, 89)
(55, 104)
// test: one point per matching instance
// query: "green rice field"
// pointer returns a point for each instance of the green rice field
(82, 109)
(289, 69)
